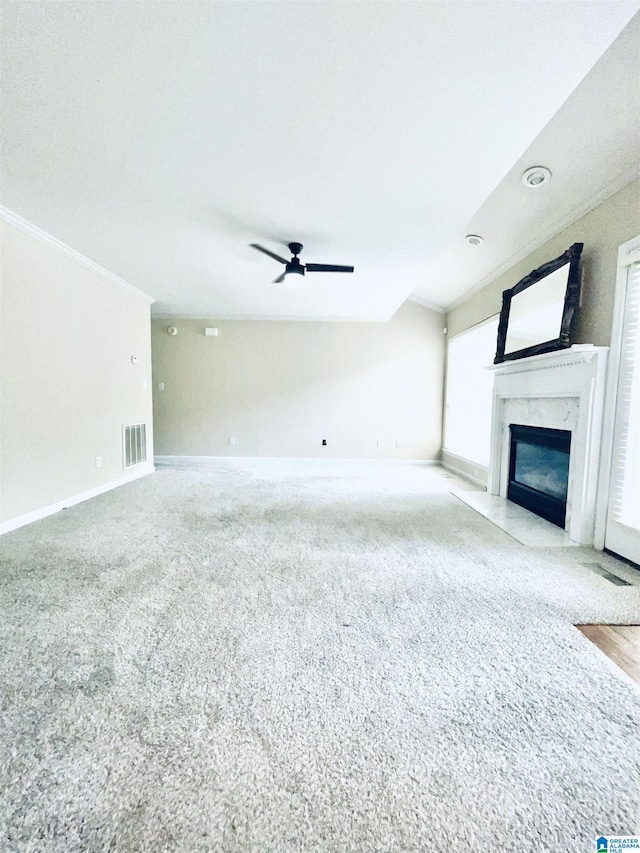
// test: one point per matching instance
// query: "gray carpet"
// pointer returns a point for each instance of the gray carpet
(283, 657)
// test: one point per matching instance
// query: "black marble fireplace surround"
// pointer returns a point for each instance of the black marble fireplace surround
(539, 470)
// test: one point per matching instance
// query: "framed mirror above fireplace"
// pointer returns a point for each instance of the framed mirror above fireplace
(538, 311)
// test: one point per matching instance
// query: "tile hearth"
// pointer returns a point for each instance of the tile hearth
(526, 527)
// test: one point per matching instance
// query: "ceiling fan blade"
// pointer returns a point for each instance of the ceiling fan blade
(267, 252)
(280, 278)
(327, 268)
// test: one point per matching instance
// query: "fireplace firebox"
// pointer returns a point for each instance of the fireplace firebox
(539, 470)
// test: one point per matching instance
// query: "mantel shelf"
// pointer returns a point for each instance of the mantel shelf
(576, 354)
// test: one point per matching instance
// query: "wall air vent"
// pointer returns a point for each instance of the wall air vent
(134, 444)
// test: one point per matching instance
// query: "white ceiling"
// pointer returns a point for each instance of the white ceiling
(591, 146)
(159, 139)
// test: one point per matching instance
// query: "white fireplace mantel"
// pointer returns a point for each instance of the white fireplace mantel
(557, 390)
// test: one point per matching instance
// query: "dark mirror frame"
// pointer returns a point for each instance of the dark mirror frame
(571, 302)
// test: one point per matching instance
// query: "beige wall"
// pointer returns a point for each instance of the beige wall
(66, 379)
(602, 230)
(280, 387)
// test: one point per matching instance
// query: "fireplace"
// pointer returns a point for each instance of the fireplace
(539, 470)
(561, 390)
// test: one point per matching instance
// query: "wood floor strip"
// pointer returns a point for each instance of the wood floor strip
(620, 643)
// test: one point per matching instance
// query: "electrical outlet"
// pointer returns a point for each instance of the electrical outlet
(232, 440)
(397, 445)
(98, 461)
(160, 386)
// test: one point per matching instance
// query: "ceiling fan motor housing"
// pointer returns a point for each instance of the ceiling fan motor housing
(294, 264)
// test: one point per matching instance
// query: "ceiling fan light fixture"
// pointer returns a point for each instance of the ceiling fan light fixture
(474, 239)
(536, 176)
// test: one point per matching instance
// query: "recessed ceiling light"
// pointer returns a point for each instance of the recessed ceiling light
(536, 176)
(474, 239)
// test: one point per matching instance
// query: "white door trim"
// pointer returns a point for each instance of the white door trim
(628, 253)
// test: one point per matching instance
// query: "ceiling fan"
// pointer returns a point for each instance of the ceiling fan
(294, 265)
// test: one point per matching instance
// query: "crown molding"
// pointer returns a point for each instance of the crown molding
(32, 230)
(440, 309)
(269, 317)
(552, 231)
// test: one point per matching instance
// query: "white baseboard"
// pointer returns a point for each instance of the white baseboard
(450, 466)
(170, 458)
(43, 512)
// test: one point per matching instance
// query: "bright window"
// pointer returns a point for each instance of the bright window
(467, 430)
(622, 535)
